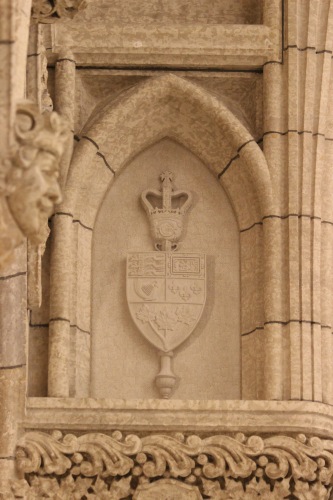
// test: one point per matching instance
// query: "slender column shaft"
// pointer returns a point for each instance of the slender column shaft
(65, 104)
(60, 294)
(60, 282)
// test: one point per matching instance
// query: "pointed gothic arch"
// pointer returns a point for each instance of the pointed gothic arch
(171, 106)
(166, 106)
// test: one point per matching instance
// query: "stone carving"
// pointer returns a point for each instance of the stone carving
(159, 284)
(50, 11)
(172, 301)
(218, 467)
(28, 181)
(167, 222)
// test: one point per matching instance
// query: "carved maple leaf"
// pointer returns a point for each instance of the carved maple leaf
(303, 491)
(120, 489)
(82, 484)
(145, 314)
(20, 488)
(67, 486)
(185, 315)
(260, 489)
(282, 488)
(212, 489)
(233, 490)
(100, 489)
(166, 320)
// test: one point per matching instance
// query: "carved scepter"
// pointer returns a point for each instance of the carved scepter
(166, 289)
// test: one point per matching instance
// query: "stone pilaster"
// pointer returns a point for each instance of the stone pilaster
(298, 147)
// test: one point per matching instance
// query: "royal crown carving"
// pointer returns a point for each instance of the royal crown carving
(166, 289)
(219, 467)
(50, 11)
(167, 220)
(28, 178)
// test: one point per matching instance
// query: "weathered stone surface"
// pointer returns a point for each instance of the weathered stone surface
(50, 11)
(219, 466)
(143, 87)
(29, 184)
(167, 489)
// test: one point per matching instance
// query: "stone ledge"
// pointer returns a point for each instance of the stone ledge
(173, 47)
(175, 415)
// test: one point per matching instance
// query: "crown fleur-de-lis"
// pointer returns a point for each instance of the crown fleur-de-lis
(166, 221)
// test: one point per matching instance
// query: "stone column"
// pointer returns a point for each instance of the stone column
(60, 293)
(61, 237)
(65, 103)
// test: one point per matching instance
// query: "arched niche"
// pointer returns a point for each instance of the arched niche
(124, 364)
(167, 106)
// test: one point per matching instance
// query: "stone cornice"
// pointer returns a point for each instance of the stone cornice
(85, 414)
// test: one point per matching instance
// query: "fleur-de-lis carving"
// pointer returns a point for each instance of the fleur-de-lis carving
(173, 288)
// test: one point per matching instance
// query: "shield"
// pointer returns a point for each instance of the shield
(166, 294)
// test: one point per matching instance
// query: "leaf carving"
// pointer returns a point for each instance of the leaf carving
(229, 457)
(38, 451)
(120, 489)
(96, 465)
(166, 320)
(145, 314)
(107, 456)
(166, 451)
(185, 315)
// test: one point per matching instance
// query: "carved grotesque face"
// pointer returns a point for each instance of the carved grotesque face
(36, 192)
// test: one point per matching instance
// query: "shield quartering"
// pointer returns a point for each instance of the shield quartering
(166, 289)
(166, 294)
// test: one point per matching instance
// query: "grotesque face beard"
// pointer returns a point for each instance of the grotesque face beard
(33, 200)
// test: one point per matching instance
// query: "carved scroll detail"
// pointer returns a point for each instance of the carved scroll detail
(219, 467)
(50, 11)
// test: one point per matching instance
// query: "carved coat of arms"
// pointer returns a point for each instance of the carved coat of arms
(166, 289)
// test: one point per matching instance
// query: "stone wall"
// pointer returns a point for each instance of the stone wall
(233, 98)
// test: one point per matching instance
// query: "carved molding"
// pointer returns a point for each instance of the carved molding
(220, 467)
(28, 178)
(50, 11)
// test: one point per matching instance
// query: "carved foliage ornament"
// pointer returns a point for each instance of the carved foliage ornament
(28, 179)
(50, 11)
(219, 467)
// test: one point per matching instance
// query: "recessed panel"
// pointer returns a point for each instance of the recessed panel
(124, 362)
